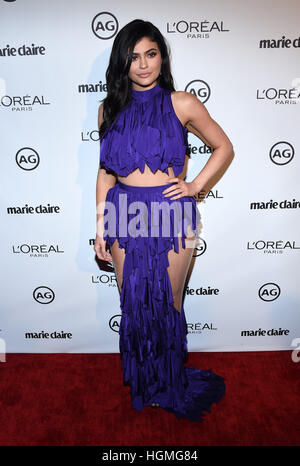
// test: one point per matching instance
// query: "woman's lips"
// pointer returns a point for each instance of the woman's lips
(144, 75)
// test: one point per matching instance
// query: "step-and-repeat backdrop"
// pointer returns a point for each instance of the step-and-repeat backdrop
(242, 61)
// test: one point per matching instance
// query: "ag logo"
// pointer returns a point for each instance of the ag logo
(43, 295)
(114, 322)
(200, 89)
(200, 247)
(105, 25)
(282, 153)
(269, 292)
(27, 158)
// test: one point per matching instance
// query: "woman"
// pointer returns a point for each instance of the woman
(147, 215)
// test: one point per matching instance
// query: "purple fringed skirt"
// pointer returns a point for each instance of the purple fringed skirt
(153, 334)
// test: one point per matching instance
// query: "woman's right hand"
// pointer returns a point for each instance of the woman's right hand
(99, 248)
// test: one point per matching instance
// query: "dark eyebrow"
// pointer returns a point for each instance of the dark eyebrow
(153, 48)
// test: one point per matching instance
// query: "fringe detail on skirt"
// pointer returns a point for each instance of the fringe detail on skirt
(153, 335)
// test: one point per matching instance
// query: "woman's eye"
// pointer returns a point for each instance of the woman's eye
(151, 55)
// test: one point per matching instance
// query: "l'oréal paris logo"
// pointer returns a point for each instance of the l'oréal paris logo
(199, 327)
(36, 250)
(22, 103)
(279, 96)
(272, 246)
(196, 29)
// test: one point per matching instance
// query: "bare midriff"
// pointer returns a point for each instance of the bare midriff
(147, 178)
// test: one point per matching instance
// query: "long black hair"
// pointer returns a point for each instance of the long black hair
(117, 80)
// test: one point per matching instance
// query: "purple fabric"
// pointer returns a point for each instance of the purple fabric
(147, 131)
(153, 342)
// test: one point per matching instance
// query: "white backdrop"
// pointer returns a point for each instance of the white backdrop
(55, 296)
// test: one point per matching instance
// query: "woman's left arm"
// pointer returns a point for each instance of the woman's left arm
(196, 116)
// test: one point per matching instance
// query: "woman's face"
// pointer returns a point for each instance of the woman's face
(146, 64)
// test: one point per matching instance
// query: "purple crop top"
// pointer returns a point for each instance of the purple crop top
(147, 131)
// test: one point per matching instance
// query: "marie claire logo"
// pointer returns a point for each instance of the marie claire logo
(91, 87)
(293, 204)
(23, 103)
(36, 250)
(196, 29)
(27, 158)
(199, 327)
(282, 43)
(202, 291)
(282, 153)
(45, 335)
(199, 88)
(105, 25)
(272, 247)
(28, 209)
(272, 332)
(269, 292)
(43, 295)
(200, 150)
(23, 51)
(279, 96)
(114, 322)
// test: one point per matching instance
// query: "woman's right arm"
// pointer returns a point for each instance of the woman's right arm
(105, 181)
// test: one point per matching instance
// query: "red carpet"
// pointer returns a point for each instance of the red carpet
(79, 399)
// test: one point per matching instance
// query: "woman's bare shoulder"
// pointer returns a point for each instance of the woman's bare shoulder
(184, 98)
(183, 103)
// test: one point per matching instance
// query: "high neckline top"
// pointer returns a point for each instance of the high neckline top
(146, 94)
(146, 131)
